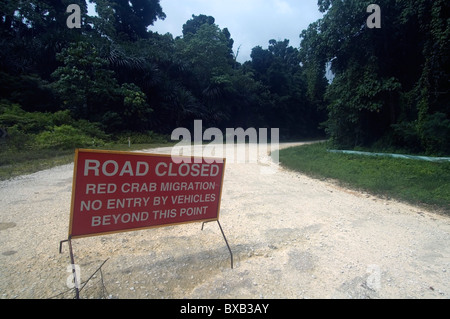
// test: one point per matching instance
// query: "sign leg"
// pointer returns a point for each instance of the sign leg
(72, 260)
(226, 241)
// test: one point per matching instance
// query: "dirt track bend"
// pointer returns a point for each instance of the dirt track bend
(292, 237)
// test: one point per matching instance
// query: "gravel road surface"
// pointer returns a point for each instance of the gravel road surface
(292, 237)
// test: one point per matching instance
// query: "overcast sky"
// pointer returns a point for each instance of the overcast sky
(250, 22)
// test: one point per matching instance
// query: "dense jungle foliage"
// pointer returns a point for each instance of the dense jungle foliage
(63, 88)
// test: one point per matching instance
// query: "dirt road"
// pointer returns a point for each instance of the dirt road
(292, 237)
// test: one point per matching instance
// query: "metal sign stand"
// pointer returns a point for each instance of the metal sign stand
(72, 260)
(226, 241)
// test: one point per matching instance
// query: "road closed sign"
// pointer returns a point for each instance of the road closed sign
(120, 191)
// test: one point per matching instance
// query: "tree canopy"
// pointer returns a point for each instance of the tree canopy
(389, 86)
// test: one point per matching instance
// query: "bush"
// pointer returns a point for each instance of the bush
(406, 135)
(13, 115)
(65, 137)
(93, 130)
(36, 130)
(17, 140)
(436, 134)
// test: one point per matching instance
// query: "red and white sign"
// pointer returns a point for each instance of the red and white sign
(118, 191)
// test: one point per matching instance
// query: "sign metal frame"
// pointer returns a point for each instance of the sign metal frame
(192, 159)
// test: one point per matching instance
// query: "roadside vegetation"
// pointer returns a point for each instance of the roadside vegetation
(414, 181)
(38, 141)
(364, 88)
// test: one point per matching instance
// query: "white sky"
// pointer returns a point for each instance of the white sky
(250, 22)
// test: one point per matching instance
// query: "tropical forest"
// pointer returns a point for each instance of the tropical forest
(113, 77)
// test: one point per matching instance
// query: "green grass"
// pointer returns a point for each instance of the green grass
(14, 163)
(417, 182)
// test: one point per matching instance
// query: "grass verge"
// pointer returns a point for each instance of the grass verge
(417, 182)
(13, 164)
